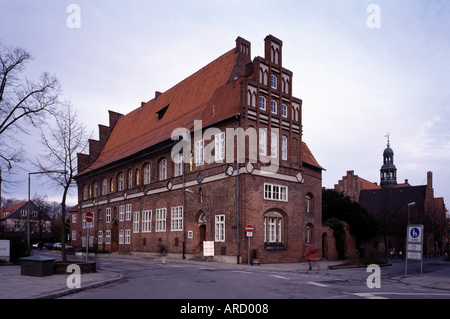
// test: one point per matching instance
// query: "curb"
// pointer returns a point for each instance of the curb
(68, 291)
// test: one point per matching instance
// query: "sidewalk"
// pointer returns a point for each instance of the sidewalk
(15, 286)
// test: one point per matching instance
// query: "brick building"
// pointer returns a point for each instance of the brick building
(218, 151)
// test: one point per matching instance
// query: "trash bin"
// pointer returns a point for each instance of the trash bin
(37, 266)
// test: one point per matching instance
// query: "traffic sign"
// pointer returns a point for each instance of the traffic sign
(249, 228)
(88, 217)
(414, 245)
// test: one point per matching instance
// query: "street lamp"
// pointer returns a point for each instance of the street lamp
(409, 209)
(29, 206)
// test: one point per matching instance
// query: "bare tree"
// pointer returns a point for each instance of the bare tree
(62, 144)
(22, 102)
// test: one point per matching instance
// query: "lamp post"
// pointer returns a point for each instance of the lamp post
(29, 206)
(409, 210)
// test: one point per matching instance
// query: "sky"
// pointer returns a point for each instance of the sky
(362, 68)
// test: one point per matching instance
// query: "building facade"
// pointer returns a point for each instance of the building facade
(218, 151)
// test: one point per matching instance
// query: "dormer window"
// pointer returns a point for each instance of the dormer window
(162, 112)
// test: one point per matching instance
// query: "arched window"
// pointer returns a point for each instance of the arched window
(163, 169)
(273, 144)
(262, 103)
(273, 228)
(273, 81)
(130, 179)
(95, 189)
(111, 185)
(147, 174)
(85, 192)
(273, 106)
(104, 186)
(262, 142)
(309, 204)
(120, 182)
(284, 148)
(138, 177)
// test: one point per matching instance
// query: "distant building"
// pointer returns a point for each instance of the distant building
(146, 191)
(391, 203)
(14, 220)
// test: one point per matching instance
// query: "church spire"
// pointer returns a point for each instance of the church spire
(388, 172)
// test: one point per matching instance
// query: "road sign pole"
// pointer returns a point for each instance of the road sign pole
(87, 241)
(249, 250)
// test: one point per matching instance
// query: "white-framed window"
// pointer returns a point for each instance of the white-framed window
(309, 204)
(161, 219)
(74, 235)
(284, 110)
(23, 213)
(220, 228)
(95, 189)
(199, 153)
(147, 174)
(273, 106)
(176, 218)
(136, 222)
(273, 81)
(262, 103)
(273, 144)
(121, 212)
(108, 237)
(146, 221)
(121, 236)
(85, 192)
(127, 236)
(275, 192)
(262, 142)
(108, 215)
(120, 182)
(163, 169)
(74, 218)
(100, 237)
(128, 212)
(284, 148)
(219, 151)
(273, 227)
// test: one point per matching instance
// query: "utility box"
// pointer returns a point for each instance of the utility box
(37, 266)
(5, 250)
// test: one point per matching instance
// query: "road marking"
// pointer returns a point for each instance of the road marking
(243, 271)
(280, 277)
(369, 295)
(376, 295)
(317, 284)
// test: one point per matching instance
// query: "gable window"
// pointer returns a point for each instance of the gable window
(283, 110)
(178, 165)
(273, 81)
(273, 145)
(262, 103)
(262, 142)
(273, 106)
(284, 148)
(130, 179)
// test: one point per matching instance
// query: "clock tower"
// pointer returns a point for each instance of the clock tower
(388, 172)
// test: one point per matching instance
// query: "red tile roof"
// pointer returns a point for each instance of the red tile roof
(187, 101)
(308, 157)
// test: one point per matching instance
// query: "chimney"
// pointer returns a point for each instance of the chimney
(243, 46)
(157, 94)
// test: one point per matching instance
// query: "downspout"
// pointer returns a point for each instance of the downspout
(237, 193)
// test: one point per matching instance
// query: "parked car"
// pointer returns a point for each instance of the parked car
(59, 245)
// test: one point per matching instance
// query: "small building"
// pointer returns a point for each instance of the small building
(218, 151)
(14, 220)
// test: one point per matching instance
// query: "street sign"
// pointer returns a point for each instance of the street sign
(88, 217)
(414, 244)
(249, 229)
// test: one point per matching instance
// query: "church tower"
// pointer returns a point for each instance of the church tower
(388, 172)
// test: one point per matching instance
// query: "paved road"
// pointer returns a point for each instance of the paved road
(149, 279)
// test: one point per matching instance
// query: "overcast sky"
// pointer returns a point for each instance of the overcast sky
(362, 71)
